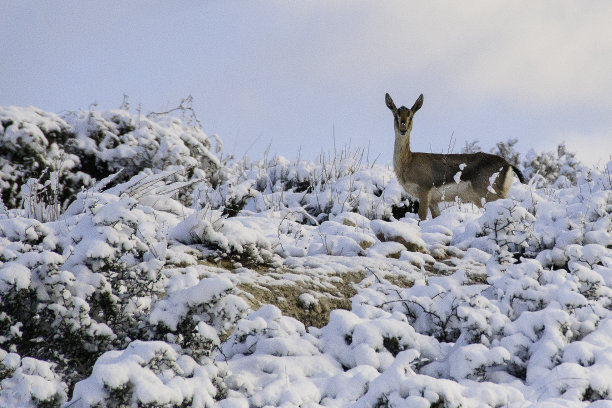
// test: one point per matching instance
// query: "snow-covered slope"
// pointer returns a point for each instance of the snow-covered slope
(289, 283)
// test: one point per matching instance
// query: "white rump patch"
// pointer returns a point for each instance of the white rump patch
(507, 183)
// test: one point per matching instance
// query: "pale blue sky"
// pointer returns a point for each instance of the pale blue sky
(291, 74)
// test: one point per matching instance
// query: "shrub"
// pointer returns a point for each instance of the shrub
(58, 156)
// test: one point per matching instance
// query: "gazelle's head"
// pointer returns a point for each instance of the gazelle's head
(403, 116)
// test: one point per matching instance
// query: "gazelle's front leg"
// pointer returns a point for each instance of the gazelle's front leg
(434, 201)
(424, 202)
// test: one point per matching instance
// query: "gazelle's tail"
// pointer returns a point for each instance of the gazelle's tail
(519, 174)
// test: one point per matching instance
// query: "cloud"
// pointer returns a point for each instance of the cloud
(542, 52)
(550, 53)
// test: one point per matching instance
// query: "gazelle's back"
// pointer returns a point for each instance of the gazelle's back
(438, 169)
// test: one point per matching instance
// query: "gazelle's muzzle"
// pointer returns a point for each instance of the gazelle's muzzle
(403, 128)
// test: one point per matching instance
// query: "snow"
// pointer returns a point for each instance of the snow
(457, 176)
(152, 371)
(201, 299)
(31, 379)
(14, 274)
(175, 306)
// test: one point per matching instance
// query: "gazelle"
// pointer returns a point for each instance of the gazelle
(432, 178)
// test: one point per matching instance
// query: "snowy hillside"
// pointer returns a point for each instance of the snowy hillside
(141, 267)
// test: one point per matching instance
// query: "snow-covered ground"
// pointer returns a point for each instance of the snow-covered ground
(192, 280)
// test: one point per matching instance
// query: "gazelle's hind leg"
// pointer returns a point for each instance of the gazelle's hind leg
(475, 196)
(435, 209)
(487, 192)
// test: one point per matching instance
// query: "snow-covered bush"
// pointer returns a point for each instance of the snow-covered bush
(506, 229)
(330, 186)
(195, 316)
(508, 151)
(559, 168)
(375, 339)
(29, 382)
(227, 238)
(33, 148)
(149, 374)
(109, 141)
(57, 156)
(84, 283)
(42, 303)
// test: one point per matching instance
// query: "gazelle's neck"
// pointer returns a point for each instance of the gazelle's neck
(401, 150)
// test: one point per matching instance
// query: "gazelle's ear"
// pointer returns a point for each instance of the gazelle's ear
(390, 103)
(417, 104)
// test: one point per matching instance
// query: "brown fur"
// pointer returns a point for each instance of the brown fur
(430, 177)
